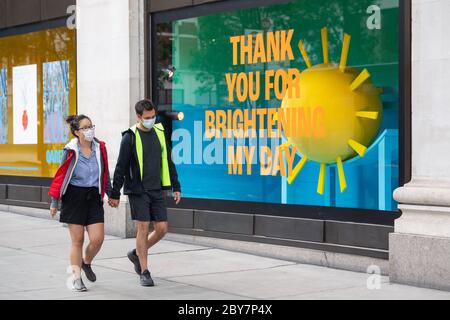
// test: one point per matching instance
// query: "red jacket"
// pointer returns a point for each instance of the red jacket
(64, 174)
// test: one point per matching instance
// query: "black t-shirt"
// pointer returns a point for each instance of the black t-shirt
(152, 160)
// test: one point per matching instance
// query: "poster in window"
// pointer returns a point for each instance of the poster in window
(25, 104)
(3, 106)
(56, 101)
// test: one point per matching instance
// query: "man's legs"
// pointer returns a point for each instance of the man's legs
(160, 230)
(144, 241)
(154, 206)
(141, 243)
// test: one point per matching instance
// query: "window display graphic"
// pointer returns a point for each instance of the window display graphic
(56, 101)
(348, 129)
(25, 104)
(316, 81)
(3, 106)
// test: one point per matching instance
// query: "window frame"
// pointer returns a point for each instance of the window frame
(282, 210)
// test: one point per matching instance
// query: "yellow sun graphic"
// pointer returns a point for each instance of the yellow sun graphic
(351, 118)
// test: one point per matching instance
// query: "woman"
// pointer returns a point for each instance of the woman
(81, 183)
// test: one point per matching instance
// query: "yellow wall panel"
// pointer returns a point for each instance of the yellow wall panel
(39, 48)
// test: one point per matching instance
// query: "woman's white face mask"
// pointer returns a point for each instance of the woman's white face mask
(89, 134)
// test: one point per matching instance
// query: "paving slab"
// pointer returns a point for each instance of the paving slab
(13, 222)
(386, 291)
(198, 262)
(269, 283)
(113, 248)
(34, 264)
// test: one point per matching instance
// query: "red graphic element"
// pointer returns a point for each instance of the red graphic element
(25, 120)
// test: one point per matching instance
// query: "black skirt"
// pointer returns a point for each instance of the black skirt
(82, 206)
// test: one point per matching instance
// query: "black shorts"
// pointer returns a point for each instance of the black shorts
(82, 206)
(149, 206)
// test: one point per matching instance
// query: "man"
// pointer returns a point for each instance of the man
(145, 166)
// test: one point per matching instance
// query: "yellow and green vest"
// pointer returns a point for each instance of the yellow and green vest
(165, 174)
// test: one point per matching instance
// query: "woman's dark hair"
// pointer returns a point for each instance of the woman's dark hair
(74, 122)
(145, 105)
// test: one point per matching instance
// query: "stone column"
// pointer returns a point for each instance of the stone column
(110, 72)
(420, 246)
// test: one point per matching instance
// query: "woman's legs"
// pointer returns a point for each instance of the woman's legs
(76, 252)
(96, 234)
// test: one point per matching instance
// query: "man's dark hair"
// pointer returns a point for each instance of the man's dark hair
(145, 105)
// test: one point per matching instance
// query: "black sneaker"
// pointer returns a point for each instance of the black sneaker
(90, 275)
(132, 255)
(146, 279)
(78, 285)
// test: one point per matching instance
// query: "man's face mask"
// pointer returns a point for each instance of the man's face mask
(148, 123)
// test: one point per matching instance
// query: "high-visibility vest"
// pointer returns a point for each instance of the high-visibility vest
(165, 174)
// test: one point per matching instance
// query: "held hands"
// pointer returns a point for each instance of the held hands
(113, 203)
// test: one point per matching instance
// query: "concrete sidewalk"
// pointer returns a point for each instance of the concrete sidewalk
(34, 259)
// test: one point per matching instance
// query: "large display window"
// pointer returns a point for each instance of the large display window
(295, 103)
(37, 92)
